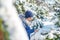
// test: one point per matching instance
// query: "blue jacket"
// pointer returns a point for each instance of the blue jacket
(29, 31)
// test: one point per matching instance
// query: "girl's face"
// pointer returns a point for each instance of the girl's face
(30, 19)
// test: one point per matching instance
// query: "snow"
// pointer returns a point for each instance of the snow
(50, 1)
(48, 29)
(10, 16)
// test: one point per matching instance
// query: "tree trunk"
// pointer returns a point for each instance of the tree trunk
(1, 35)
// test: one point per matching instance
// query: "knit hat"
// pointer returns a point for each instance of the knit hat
(28, 14)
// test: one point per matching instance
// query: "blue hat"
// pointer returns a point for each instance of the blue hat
(28, 14)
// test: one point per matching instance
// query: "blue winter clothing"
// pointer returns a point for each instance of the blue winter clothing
(29, 31)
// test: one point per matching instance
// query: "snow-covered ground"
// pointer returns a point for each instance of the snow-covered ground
(46, 31)
(49, 30)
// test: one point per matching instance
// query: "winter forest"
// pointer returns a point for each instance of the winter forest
(46, 19)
